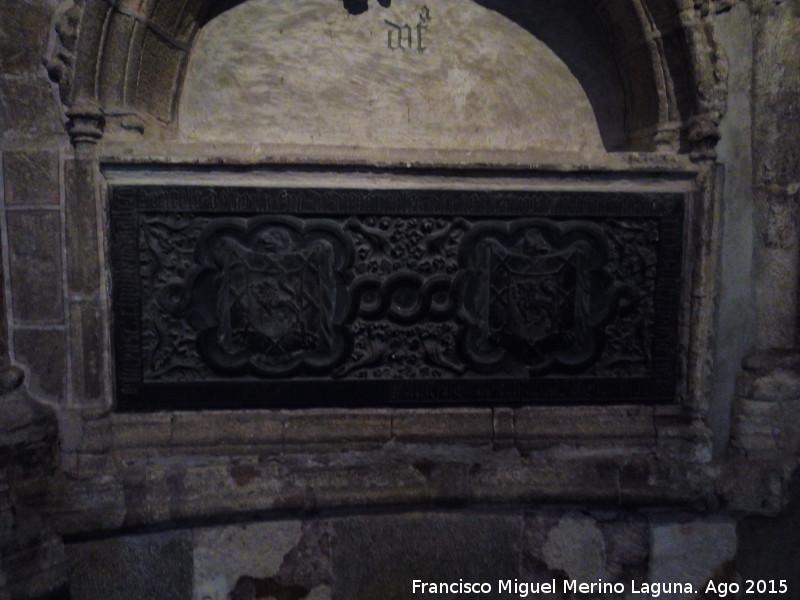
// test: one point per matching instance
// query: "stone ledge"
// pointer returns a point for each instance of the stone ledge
(145, 430)
(620, 426)
(162, 490)
(529, 429)
(470, 425)
(166, 467)
(226, 427)
(141, 154)
(336, 429)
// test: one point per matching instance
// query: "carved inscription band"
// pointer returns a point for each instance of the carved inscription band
(232, 297)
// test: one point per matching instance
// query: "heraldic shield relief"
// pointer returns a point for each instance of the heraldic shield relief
(539, 293)
(264, 294)
(266, 297)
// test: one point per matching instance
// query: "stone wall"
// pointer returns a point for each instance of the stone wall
(354, 504)
(380, 555)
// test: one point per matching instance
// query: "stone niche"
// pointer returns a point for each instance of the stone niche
(497, 114)
(305, 249)
(323, 238)
(440, 224)
(533, 135)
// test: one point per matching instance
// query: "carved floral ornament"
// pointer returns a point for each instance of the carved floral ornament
(527, 296)
(671, 79)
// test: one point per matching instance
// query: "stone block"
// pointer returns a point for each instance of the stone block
(503, 426)
(576, 546)
(308, 563)
(777, 385)
(557, 540)
(142, 430)
(451, 425)
(757, 427)
(545, 479)
(132, 568)
(96, 435)
(70, 430)
(775, 289)
(34, 562)
(235, 428)
(83, 251)
(185, 25)
(754, 486)
(769, 549)
(225, 555)
(28, 437)
(317, 484)
(43, 351)
(759, 363)
(7, 518)
(28, 110)
(25, 29)
(542, 427)
(173, 488)
(337, 428)
(394, 550)
(34, 240)
(84, 504)
(534, 568)
(627, 544)
(778, 120)
(635, 66)
(160, 67)
(691, 552)
(88, 357)
(322, 592)
(89, 466)
(537, 525)
(31, 178)
(166, 14)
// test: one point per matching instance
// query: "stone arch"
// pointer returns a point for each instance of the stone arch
(120, 64)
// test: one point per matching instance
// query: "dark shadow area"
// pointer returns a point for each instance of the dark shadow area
(575, 32)
(213, 9)
(356, 7)
(769, 548)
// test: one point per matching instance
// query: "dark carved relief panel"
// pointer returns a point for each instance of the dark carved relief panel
(296, 297)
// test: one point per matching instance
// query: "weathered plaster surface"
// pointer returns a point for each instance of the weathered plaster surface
(307, 72)
(222, 555)
(776, 122)
(711, 543)
(576, 546)
(735, 319)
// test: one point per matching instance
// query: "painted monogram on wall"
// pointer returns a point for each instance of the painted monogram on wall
(402, 37)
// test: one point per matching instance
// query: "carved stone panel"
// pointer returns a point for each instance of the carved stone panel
(238, 297)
